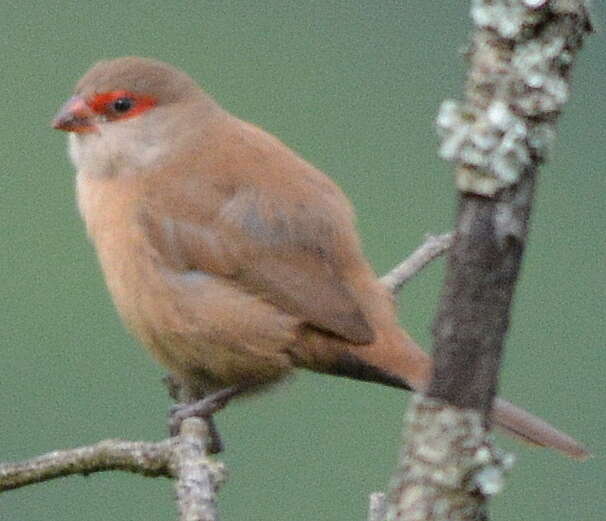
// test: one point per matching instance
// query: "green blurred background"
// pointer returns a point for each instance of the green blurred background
(354, 87)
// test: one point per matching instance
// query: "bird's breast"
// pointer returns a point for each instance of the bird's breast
(110, 209)
(189, 319)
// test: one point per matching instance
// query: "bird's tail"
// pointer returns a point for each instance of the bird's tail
(410, 368)
(527, 427)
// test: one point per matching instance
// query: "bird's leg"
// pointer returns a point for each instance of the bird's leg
(204, 409)
(186, 396)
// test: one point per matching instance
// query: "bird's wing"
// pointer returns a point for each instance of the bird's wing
(289, 240)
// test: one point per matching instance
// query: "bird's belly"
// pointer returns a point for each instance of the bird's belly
(199, 326)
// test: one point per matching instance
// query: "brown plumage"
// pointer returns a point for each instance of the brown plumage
(232, 259)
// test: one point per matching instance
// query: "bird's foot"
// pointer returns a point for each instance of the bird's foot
(204, 409)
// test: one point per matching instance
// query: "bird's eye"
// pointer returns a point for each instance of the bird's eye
(116, 105)
(123, 105)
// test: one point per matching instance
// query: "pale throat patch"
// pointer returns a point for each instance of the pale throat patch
(123, 149)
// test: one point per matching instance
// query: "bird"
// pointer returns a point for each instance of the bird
(233, 260)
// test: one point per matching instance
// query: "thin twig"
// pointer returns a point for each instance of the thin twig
(432, 248)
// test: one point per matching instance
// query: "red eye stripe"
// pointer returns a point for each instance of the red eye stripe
(103, 103)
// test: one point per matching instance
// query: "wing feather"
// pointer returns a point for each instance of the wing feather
(275, 226)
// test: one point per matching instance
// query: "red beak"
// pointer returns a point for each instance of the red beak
(75, 116)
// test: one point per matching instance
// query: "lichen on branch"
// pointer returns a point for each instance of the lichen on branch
(520, 58)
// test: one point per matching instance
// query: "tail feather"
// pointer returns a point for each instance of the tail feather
(410, 367)
(525, 426)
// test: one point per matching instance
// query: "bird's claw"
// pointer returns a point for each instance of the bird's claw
(203, 409)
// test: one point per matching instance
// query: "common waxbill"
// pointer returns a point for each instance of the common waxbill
(233, 260)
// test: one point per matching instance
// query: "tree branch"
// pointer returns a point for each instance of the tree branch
(521, 56)
(183, 457)
(148, 459)
(198, 477)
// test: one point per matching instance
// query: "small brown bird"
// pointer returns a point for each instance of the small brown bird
(232, 259)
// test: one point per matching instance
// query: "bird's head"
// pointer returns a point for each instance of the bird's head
(130, 111)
